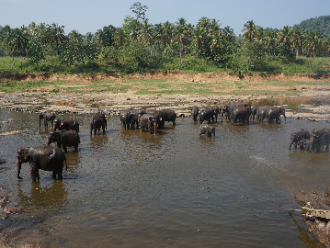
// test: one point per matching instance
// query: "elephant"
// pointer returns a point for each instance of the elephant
(167, 115)
(261, 113)
(98, 121)
(47, 117)
(64, 138)
(241, 114)
(125, 119)
(46, 158)
(136, 117)
(274, 113)
(254, 110)
(319, 138)
(207, 130)
(148, 121)
(194, 113)
(297, 136)
(304, 144)
(208, 114)
(67, 124)
(225, 110)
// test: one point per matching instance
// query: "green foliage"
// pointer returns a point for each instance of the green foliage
(321, 23)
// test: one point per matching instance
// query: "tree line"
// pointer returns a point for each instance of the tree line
(141, 44)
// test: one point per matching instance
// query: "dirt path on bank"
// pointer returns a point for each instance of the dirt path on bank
(311, 88)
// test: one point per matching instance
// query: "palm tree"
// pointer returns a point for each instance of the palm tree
(6, 36)
(168, 34)
(159, 37)
(134, 28)
(313, 43)
(296, 40)
(217, 44)
(250, 33)
(56, 35)
(284, 38)
(180, 34)
(106, 36)
(146, 32)
(120, 37)
(228, 32)
(43, 36)
(20, 41)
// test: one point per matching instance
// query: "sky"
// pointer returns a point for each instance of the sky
(91, 15)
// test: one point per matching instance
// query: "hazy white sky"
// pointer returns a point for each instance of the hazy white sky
(91, 15)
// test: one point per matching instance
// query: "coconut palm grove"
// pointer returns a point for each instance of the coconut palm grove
(139, 46)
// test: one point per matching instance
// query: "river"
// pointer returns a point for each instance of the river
(175, 189)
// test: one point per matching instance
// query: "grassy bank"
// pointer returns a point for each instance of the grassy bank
(154, 86)
(189, 64)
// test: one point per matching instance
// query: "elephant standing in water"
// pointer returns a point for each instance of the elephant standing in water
(208, 114)
(207, 130)
(150, 122)
(67, 124)
(320, 138)
(46, 158)
(167, 115)
(98, 121)
(194, 113)
(136, 117)
(47, 117)
(274, 114)
(125, 119)
(297, 136)
(64, 138)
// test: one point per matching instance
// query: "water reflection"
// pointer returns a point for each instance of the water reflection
(48, 197)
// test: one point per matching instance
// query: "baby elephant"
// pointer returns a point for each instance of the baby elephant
(207, 130)
(64, 138)
(303, 144)
(297, 136)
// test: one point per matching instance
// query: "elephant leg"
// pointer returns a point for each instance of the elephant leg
(173, 122)
(33, 173)
(64, 148)
(104, 129)
(155, 127)
(54, 174)
(59, 173)
(150, 128)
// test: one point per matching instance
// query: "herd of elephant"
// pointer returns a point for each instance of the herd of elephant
(316, 141)
(50, 158)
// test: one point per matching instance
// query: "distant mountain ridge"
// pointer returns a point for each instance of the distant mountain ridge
(321, 23)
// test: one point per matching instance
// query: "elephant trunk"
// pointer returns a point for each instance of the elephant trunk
(19, 165)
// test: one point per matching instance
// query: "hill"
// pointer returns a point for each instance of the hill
(321, 23)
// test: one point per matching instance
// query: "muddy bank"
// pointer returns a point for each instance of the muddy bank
(165, 75)
(312, 104)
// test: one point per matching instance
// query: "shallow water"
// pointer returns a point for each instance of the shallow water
(175, 189)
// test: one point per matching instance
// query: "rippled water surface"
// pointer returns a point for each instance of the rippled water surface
(175, 189)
